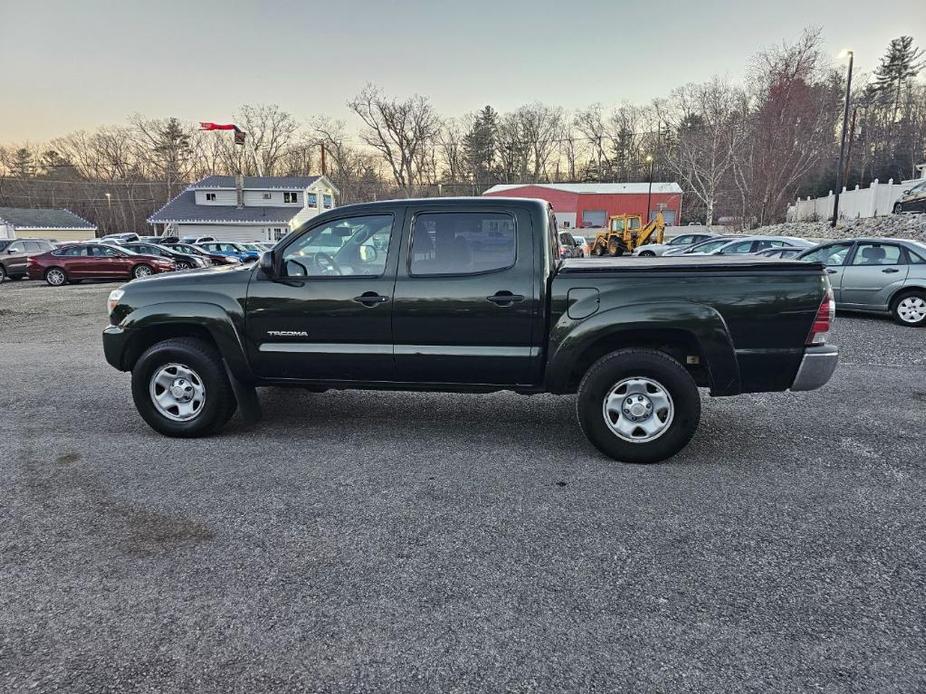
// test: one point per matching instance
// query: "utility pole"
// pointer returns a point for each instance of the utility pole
(842, 145)
(649, 192)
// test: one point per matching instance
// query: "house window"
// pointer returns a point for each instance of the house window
(210, 196)
(268, 196)
(327, 201)
(290, 197)
(311, 200)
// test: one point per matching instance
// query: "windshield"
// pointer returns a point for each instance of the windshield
(708, 246)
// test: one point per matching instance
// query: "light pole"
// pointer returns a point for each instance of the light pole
(649, 191)
(109, 204)
(845, 128)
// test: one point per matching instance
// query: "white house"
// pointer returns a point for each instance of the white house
(44, 223)
(244, 208)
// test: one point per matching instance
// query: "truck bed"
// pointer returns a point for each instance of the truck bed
(698, 263)
(763, 307)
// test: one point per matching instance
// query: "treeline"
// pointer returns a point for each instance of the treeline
(740, 151)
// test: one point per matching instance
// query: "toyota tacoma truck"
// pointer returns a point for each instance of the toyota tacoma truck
(471, 295)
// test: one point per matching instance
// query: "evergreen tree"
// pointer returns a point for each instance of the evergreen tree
(22, 165)
(900, 64)
(172, 148)
(479, 145)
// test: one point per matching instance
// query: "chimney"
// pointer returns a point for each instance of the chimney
(239, 190)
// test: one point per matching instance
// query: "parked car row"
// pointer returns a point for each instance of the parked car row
(118, 257)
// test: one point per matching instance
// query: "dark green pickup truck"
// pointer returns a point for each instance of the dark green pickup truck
(470, 294)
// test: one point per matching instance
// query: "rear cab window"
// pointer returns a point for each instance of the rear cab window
(462, 243)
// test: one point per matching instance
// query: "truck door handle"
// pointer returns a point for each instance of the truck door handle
(370, 299)
(890, 269)
(504, 298)
(831, 271)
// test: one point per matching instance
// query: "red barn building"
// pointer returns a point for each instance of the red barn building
(584, 205)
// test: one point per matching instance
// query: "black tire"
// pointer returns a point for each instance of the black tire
(898, 208)
(2, 273)
(614, 249)
(896, 308)
(654, 366)
(183, 265)
(647, 254)
(56, 277)
(219, 403)
(599, 251)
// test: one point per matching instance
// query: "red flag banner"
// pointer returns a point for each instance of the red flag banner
(219, 126)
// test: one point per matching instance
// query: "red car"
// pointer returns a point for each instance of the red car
(94, 261)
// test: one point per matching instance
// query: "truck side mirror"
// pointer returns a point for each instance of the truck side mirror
(268, 265)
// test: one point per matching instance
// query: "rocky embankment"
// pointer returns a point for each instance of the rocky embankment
(900, 226)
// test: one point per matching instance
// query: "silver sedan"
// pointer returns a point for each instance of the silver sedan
(877, 275)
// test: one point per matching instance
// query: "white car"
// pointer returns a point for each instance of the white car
(749, 245)
(679, 242)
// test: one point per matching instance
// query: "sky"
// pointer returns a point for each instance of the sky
(79, 64)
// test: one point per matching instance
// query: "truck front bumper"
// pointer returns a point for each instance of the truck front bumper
(114, 339)
(816, 367)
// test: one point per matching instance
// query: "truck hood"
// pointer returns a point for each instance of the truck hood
(196, 276)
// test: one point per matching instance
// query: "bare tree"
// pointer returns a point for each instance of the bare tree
(400, 130)
(272, 133)
(709, 136)
(450, 141)
(591, 124)
(792, 124)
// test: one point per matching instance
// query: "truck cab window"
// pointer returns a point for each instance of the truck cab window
(462, 243)
(356, 246)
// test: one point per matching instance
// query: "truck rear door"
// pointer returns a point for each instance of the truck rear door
(466, 296)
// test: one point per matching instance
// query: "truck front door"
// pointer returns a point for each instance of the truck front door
(466, 297)
(328, 316)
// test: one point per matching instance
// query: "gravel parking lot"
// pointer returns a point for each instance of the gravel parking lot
(392, 541)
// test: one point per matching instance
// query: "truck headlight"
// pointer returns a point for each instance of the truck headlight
(114, 296)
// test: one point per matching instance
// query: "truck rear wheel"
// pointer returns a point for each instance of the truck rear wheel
(181, 389)
(638, 405)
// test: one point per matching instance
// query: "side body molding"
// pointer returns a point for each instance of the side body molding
(569, 339)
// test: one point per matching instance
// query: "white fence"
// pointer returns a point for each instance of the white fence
(875, 201)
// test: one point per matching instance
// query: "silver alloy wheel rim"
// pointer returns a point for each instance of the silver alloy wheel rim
(912, 309)
(638, 410)
(177, 392)
(142, 271)
(55, 277)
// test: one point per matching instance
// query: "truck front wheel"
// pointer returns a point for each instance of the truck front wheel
(181, 389)
(638, 405)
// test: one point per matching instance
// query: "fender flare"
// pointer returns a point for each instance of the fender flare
(569, 339)
(215, 319)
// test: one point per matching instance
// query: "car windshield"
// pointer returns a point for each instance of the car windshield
(708, 246)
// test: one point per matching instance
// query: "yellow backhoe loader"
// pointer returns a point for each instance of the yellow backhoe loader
(625, 232)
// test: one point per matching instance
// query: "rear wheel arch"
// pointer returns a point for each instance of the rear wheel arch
(897, 295)
(676, 343)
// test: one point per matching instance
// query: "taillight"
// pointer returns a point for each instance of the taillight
(823, 321)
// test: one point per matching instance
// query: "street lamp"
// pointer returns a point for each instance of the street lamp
(649, 192)
(845, 127)
(109, 204)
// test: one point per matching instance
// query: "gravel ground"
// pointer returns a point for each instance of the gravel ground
(418, 542)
